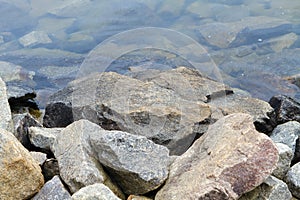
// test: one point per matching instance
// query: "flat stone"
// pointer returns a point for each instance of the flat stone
(271, 189)
(39, 157)
(43, 138)
(97, 191)
(285, 109)
(53, 190)
(35, 38)
(230, 159)
(5, 114)
(143, 171)
(284, 162)
(77, 163)
(287, 133)
(293, 180)
(258, 109)
(20, 174)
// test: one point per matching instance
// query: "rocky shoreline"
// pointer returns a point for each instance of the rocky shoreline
(173, 134)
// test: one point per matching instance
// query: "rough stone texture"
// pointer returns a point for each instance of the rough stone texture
(43, 137)
(97, 191)
(77, 163)
(20, 174)
(50, 169)
(39, 157)
(134, 197)
(284, 162)
(271, 189)
(241, 104)
(117, 102)
(287, 133)
(21, 124)
(53, 190)
(230, 159)
(285, 109)
(5, 114)
(137, 164)
(293, 180)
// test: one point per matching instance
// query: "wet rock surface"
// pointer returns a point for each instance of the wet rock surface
(224, 171)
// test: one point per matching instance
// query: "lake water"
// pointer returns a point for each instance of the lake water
(252, 45)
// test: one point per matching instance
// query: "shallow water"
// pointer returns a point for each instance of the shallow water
(253, 44)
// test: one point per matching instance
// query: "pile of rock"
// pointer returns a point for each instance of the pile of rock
(174, 134)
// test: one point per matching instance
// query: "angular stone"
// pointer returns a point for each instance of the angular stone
(20, 174)
(35, 38)
(5, 114)
(77, 163)
(258, 109)
(293, 180)
(43, 138)
(287, 133)
(284, 162)
(53, 190)
(230, 159)
(271, 189)
(118, 102)
(22, 122)
(143, 171)
(285, 109)
(97, 191)
(11, 72)
(39, 157)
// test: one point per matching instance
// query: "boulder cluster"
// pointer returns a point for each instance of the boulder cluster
(160, 135)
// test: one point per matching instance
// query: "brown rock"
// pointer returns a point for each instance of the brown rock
(20, 174)
(230, 159)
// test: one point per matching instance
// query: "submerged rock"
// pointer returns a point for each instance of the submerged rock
(230, 159)
(20, 174)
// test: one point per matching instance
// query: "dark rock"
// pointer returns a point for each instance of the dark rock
(143, 171)
(230, 159)
(58, 114)
(285, 109)
(296, 157)
(50, 169)
(53, 190)
(21, 124)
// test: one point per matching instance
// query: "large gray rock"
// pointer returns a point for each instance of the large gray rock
(136, 163)
(53, 190)
(20, 174)
(5, 114)
(293, 180)
(230, 159)
(39, 157)
(77, 163)
(118, 102)
(271, 189)
(284, 162)
(287, 133)
(43, 138)
(97, 191)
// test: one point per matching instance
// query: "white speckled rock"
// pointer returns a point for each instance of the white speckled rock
(97, 191)
(5, 114)
(284, 162)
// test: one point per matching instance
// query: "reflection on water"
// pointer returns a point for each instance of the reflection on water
(254, 43)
